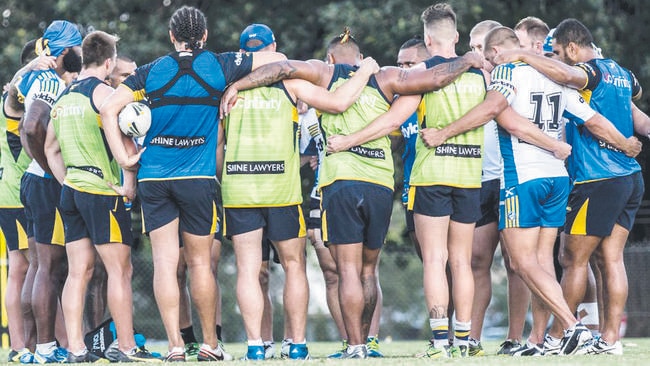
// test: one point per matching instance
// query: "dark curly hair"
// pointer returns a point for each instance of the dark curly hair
(188, 25)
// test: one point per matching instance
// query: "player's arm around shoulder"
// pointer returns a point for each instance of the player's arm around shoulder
(264, 58)
(401, 109)
(572, 76)
(343, 97)
(419, 79)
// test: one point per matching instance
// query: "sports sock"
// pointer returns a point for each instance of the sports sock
(440, 332)
(219, 332)
(255, 342)
(461, 333)
(188, 335)
(81, 353)
(45, 348)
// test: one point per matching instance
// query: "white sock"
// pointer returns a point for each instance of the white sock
(45, 348)
(81, 353)
(255, 342)
(177, 350)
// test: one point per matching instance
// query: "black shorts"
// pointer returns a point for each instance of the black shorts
(13, 224)
(489, 202)
(267, 248)
(103, 219)
(279, 223)
(460, 204)
(218, 234)
(595, 207)
(192, 201)
(410, 224)
(356, 212)
(41, 196)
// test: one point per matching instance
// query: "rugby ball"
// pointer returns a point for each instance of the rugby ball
(134, 119)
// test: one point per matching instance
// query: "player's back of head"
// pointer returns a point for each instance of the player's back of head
(536, 28)
(439, 22)
(344, 49)
(188, 24)
(97, 47)
(484, 26)
(502, 37)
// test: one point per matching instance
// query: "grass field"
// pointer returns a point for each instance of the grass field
(636, 352)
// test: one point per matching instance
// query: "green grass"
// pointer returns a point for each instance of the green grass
(636, 352)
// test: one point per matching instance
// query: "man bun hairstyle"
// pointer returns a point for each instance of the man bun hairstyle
(188, 24)
(344, 40)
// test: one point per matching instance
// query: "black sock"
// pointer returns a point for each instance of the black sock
(219, 332)
(188, 335)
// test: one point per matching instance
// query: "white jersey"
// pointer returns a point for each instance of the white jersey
(492, 164)
(46, 86)
(310, 133)
(543, 102)
(311, 141)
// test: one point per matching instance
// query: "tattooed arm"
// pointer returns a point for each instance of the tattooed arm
(420, 80)
(315, 71)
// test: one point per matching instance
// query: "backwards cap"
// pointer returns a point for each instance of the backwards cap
(58, 36)
(260, 32)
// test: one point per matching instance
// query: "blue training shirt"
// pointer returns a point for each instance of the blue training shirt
(409, 130)
(184, 90)
(609, 91)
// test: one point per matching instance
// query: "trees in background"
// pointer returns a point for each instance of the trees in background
(621, 28)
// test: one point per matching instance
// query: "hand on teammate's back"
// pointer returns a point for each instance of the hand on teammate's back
(633, 147)
(228, 101)
(432, 137)
(337, 143)
(562, 151)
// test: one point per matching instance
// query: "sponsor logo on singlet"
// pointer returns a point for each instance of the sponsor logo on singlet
(368, 153)
(459, 151)
(255, 167)
(177, 141)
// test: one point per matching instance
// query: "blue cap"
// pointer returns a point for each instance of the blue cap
(548, 42)
(260, 32)
(60, 35)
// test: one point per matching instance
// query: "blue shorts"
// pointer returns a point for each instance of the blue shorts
(537, 203)
(489, 202)
(41, 196)
(13, 224)
(595, 207)
(103, 219)
(460, 204)
(356, 212)
(192, 201)
(279, 223)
